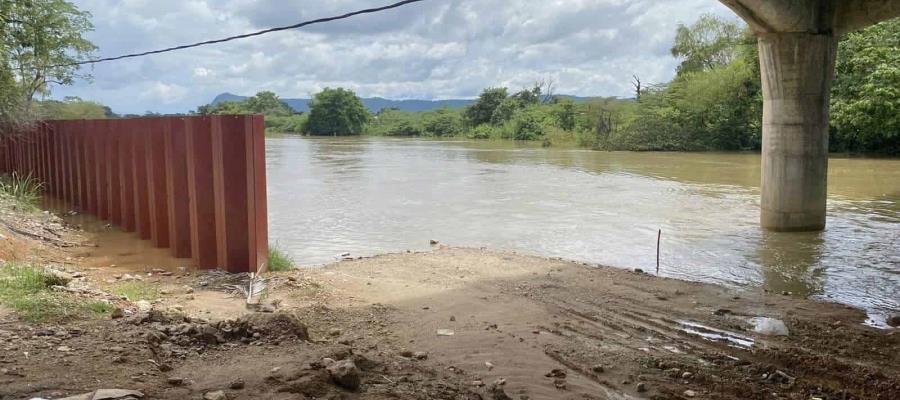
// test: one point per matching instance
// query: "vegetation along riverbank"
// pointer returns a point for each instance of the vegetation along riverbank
(713, 103)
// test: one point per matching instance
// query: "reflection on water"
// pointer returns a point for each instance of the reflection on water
(368, 196)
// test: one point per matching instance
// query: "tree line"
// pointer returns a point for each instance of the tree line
(714, 102)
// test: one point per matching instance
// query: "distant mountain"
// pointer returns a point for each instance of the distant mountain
(375, 104)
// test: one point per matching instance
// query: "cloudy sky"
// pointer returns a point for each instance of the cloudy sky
(437, 49)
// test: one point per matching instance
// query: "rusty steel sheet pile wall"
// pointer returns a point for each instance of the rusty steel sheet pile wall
(196, 185)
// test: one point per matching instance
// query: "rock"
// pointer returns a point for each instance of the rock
(175, 381)
(108, 394)
(61, 278)
(236, 385)
(686, 375)
(769, 326)
(64, 349)
(673, 372)
(452, 318)
(420, 355)
(345, 374)
(433, 242)
(156, 337)
(598, 369)
(216, 395)
(445, 332)
(209, 335)
(334, 332)
(497, 392)
(489, 365)
(406, 353)
(641, 387)
(117, 313)
(556, 373)
(894, 320)
(690, 393)
(188, 289)
(144, 306)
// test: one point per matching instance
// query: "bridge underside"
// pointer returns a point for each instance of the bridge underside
(797, 46)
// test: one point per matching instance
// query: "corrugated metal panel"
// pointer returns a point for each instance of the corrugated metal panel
(194, 184)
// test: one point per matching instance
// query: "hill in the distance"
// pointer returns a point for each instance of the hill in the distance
(375, 104)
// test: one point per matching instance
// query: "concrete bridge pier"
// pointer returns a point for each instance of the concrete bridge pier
(797, 46)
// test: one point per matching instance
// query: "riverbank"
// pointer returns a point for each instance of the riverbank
(447, 323)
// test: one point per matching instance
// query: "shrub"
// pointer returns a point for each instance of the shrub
(443, 123)
(26, 190)
(482, 132)
(279, 260)
(527, 124)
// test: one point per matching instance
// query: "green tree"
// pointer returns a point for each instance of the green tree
(505, 110)
(336, 112)
(267, 103)
(865, 99)
(41, 39)
(564, 113)
(529, 97)
(444, 122)
(708, 43)
(483, 110)
(71, 108)
(527, 124)
(38, 38)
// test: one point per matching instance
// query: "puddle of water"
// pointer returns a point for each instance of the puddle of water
(715, 335)
(117, 251)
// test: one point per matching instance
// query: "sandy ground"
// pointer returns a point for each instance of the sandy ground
(511, 326)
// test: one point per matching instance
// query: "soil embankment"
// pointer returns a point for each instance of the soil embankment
(447, 324)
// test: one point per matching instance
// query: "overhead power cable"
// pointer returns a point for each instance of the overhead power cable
(246, 35)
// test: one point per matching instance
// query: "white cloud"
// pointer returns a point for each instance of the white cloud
(201, 72)
(437, 49)
(164, 93)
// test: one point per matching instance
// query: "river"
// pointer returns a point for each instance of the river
(365, 196)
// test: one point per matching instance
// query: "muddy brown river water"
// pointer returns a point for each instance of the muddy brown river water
(365, 196)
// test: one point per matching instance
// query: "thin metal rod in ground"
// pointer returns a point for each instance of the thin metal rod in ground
(658, 237)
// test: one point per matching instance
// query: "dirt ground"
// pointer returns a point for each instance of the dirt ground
(452, 323)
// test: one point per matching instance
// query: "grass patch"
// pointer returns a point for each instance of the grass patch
(279, 260)
(25, 190)
(27, 291)
(136, 291)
